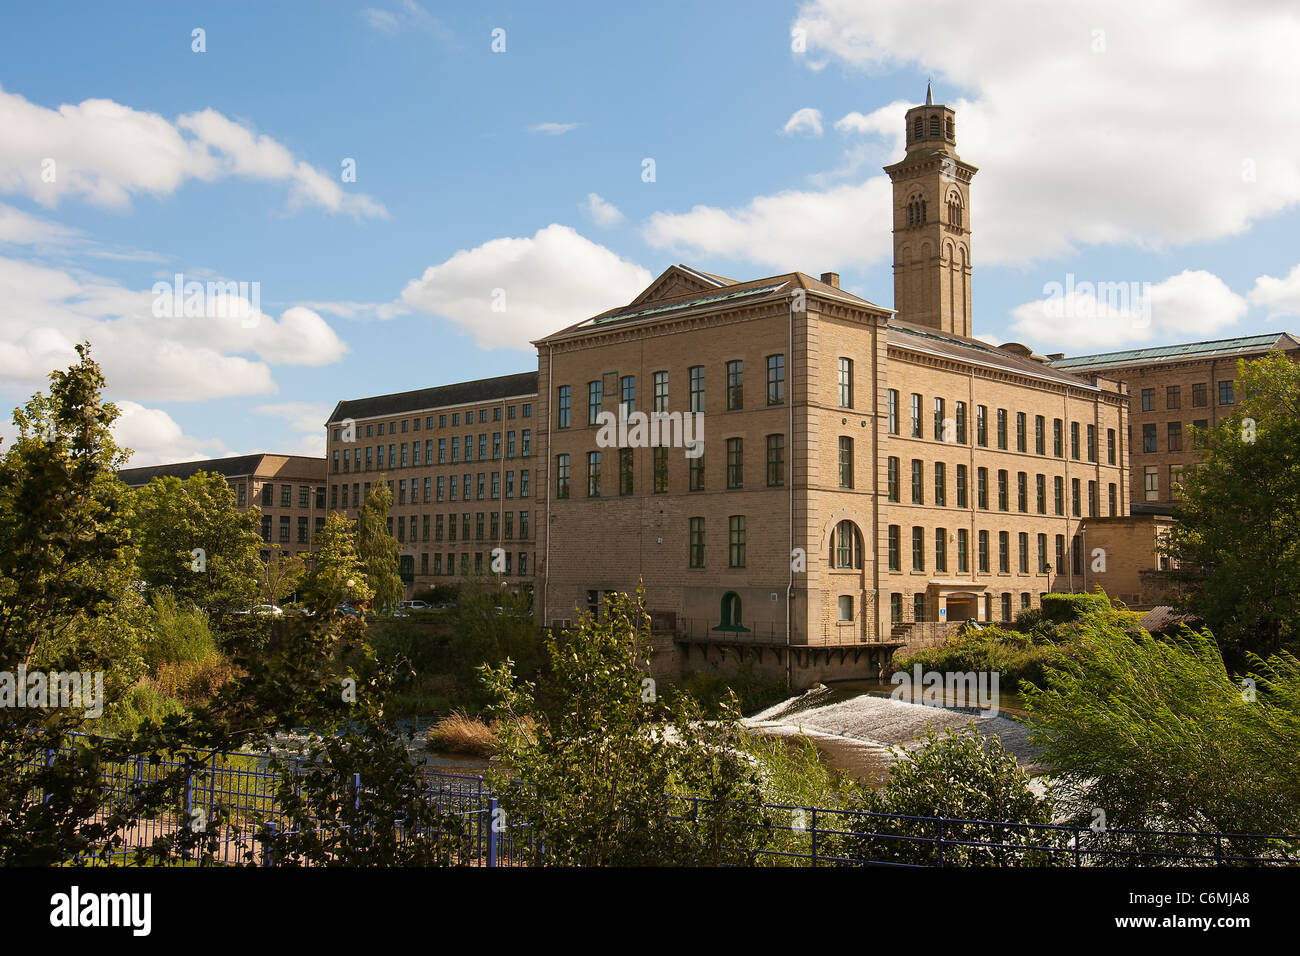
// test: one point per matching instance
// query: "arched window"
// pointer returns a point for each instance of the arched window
(846, 546)
(949, 125)
(934, 126)
(924, 217)
(918, 128)
(729, 612)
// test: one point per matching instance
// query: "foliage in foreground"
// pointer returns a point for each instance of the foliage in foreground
(1155, 733)
(598, 770)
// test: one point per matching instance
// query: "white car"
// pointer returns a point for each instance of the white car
(267, 610)
(415, 605)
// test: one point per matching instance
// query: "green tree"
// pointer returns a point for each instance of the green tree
(378, 549)
(282, 574)
(491, 624)
(618, 775)
(962, 777)
(336, 574)
(1157, 734)
(174, 518)
(1239, 518)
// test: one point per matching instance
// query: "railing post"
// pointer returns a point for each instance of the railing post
(941, 841)
(1218, 849)
(814, 836)
(492, 832)
(268, 856)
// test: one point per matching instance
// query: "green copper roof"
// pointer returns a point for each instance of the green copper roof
(1186, 350)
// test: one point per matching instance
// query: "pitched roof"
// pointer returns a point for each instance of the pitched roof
(643, 309)
(1215, 348)
(925, 339)
(518, 385)
(234, 467)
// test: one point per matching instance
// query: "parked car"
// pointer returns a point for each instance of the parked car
(416, 605)
(267, 610)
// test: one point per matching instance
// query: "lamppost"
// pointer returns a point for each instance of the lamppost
(1047, 570)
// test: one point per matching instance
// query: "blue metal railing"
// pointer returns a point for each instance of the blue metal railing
(240, 790)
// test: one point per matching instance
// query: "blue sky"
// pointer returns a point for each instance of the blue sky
(1115, 145)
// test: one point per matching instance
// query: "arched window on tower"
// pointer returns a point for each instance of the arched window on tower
(948, 122)
(846, 546)
(924, 217)
(918, 128)
(934, 126)
(954, 212)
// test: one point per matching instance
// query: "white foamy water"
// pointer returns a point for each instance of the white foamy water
(878, 723)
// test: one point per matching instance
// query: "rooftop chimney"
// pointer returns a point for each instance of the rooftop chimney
(831, 279)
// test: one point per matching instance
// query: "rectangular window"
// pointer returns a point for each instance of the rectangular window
(736, 544)
(1004, 552)
(735, 385)
(1058, 438)
(1111, 495)
(1176, 480)
(1022, 541)
(1148, 399)
(286, 496)
(561, 476)
(775, 379)
(1058, 494)
(940, 484)
(561, 410)
(940, 433)
(1074, 440)
(896, 608)
(593, 474)
(918, 489)
(941, 549)
(1226, 396)
(893, 479)
(625, 466)
(982, 488)
(1173, 396)
(1175, 436)
(775, 461)
(1148, 438)
(892, 409)
(1040, 483)
(1110, 446)
(660, 470)
(846, 462)
(697, 388)
(1003, 496)
(918, 606)
(627, 393)
(1200, 395)
(963, 551)
(961, 423)
(1040, 435)
(983, 544)
(735, 463)
(982, 425)
(963, 479)
(1021, 432)
(895, 561)
(1002, 428)
(660, 382)
(1092, 500)
(916, 415)
(846, 383)
(1022, 492)
(1042, 554)
(695, 469)
(1151, 476)
(918, 549)
(695, 556)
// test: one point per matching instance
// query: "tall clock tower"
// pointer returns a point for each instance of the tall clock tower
(932, 263)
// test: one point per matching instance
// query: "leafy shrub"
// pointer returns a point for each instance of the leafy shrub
(1063, 608)
(961, 776)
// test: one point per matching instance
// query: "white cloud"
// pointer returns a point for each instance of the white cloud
(601, 211)
(301, 416)
(553, 129)
(107, 153)
(1280, 296)
(798, 229)
(22, 229)
(409, 16)
(546, 282)
(45, 311)
(1143, 145)
(1081, 314)
(157, 439)
(806, 120)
